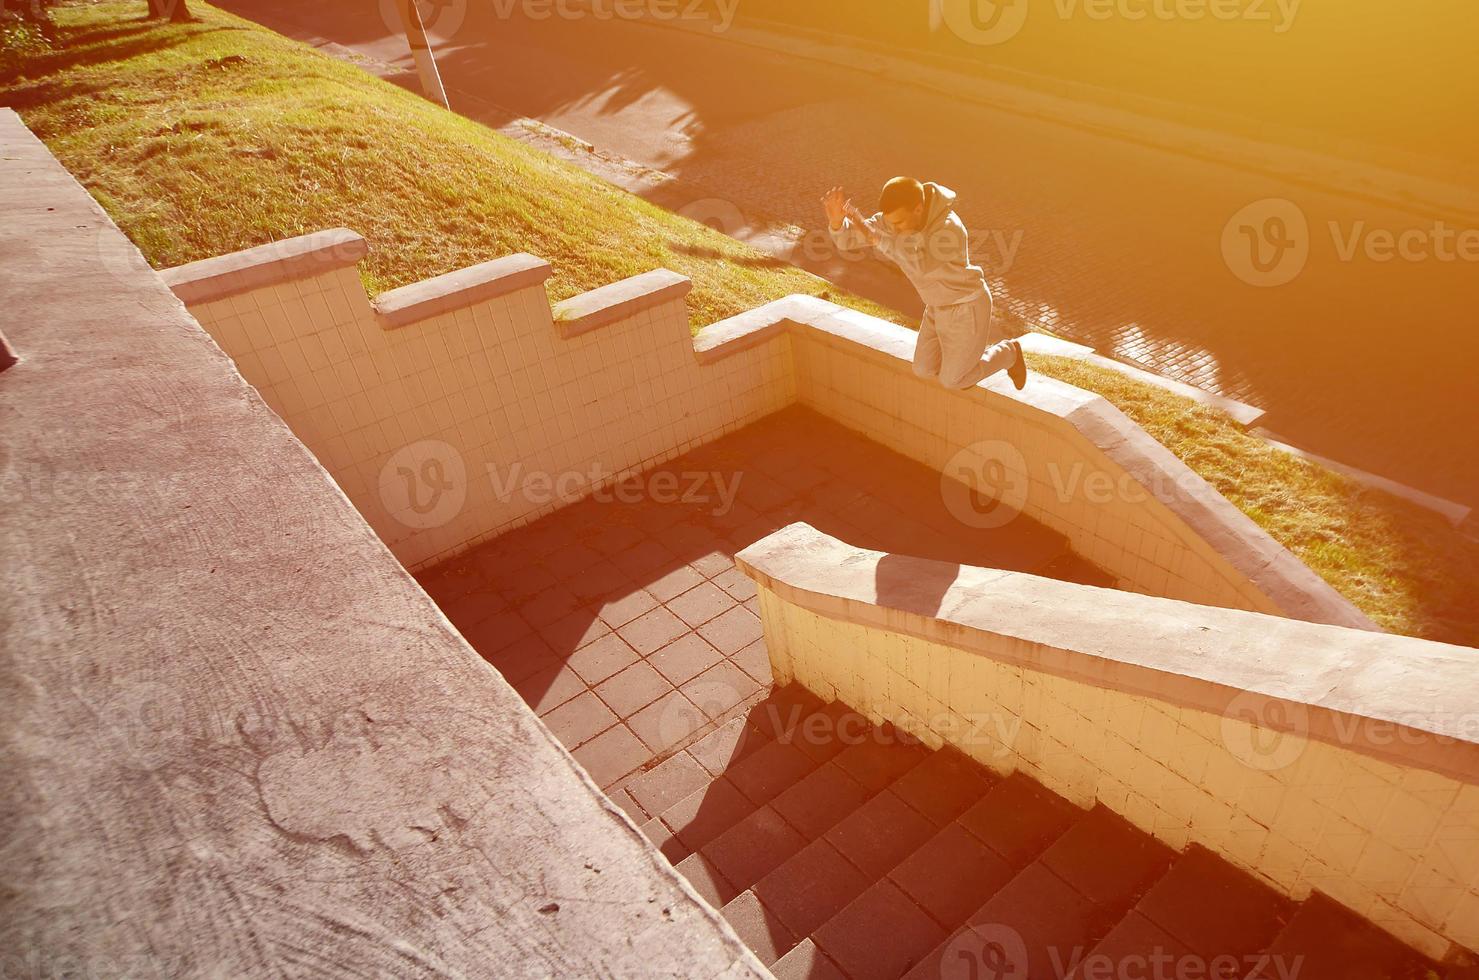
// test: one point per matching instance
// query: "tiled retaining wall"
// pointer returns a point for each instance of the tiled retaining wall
(1315, 757)
(460, 379)
(468, 379)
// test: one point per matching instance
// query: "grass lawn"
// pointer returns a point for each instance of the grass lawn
(205, 138)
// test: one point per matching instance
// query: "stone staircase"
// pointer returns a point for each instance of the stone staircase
(839, 849)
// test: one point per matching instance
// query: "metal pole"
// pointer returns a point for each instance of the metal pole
(431, 79)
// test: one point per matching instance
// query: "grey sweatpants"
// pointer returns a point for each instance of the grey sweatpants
(959, 345)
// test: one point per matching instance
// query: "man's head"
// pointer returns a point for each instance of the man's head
(902, 204)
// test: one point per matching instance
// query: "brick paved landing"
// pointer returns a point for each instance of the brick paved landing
(623, 621)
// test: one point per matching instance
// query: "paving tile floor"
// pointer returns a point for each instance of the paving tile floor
(624, 622)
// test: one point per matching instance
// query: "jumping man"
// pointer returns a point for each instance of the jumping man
(916, 228)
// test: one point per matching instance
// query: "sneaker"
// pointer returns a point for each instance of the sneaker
(1018, 371)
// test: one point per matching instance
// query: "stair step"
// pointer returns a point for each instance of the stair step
(819, 843)
(728, 744)
(751, 849)
(810, 888)
(769, 770)
(879, 834)
(879, 935)
(1133, 936)
(676, 778)
(1108, 860)
(1215, 909)
(806, 766)
(817, 801)
(784, 713)
(749, 765)
(1045, 917)
(704, 815)
(1054, 910)
(811, 804)
(944, 784)
(791, 714)
(759, 928)
(874, 834)
(876, 761)
(662, 838)
(951, 872)
(1324, 941)
(761, 841)
(951, 875)
(705, 878)
(829, 730)
(806, 962)
(1202, 909)
(1018, 819)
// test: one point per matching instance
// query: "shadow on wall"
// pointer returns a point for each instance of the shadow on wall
(913, 584)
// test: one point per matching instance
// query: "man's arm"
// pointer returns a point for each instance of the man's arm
(850, 230)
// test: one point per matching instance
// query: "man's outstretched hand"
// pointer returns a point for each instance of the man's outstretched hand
(836, 203)
(839, 207)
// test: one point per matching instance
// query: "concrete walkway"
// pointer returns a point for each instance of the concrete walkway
(235, 738)
(1109, 242)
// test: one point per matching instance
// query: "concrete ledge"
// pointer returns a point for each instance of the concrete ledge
(615, 301)
(727, 337)
(462, 288)
(265, 265)
(1344, 686)
(828, 322)
(1290, 583)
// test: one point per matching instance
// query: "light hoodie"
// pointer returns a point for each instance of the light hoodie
(936, 259)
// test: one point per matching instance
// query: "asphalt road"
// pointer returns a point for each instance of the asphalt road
(1367, 354)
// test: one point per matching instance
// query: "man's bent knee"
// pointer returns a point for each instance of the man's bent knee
(961, 379)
